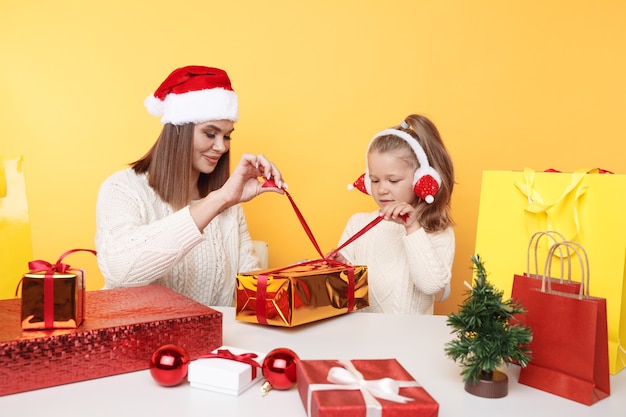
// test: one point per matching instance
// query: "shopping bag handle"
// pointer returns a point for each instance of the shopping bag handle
(584, 267)
(535, 239)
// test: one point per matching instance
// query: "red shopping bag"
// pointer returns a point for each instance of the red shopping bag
(570, 339)
(527, 281)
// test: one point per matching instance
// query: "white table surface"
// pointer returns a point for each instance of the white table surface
(417, 342)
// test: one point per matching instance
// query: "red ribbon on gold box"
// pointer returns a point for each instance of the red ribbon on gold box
(303, 292)
(53, 294)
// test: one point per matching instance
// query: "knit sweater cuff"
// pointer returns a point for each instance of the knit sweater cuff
(185, 227)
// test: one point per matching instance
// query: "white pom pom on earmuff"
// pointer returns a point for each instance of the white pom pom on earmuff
(426, 186)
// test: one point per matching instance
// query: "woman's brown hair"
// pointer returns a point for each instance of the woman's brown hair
(168, 165)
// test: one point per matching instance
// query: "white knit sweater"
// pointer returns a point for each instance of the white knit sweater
(405, 272)
(140, 240)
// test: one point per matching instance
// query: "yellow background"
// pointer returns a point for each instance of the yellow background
(510, 84)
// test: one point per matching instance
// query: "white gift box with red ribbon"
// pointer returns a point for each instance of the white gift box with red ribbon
(227, 370)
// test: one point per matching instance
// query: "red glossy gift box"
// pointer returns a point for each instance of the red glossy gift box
(121, 330)
(356, 388)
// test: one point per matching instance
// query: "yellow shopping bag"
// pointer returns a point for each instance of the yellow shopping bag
(585, 206)
(15, 241)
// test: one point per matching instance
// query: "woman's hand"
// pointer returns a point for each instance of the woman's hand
(243, 184)
(401, 213)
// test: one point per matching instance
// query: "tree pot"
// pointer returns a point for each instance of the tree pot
(490, 385)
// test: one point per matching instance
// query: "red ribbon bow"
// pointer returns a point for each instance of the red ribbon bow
(49, 269)
(243, 358)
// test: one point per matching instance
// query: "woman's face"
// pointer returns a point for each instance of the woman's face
(211, 140)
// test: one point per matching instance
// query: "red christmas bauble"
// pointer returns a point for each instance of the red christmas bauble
(279, 369)
(169, 365)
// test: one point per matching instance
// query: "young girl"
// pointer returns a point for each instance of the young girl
(409, 256)
(173, 217)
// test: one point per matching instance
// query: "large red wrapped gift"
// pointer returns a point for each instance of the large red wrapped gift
(361, 388)
(121, 330)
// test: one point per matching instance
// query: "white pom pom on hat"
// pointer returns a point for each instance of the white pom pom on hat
(194, 94)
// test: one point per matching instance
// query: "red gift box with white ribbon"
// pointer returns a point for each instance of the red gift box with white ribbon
(361, 388)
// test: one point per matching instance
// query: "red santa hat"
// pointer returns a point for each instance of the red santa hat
(194, 94)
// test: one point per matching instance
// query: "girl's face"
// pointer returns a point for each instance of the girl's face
(391, 177)
(211, 140)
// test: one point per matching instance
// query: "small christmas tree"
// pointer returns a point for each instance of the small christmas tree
(487, 333)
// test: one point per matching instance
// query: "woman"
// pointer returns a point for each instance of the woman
(173, 217)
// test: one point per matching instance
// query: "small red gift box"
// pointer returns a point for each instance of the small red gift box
(360, 388)
(53, 294)
(121, 330)
(67, 307)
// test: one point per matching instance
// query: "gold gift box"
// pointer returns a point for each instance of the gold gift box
(68, 294)
(300, 293)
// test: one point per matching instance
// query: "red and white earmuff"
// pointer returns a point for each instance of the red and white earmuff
(426, 181)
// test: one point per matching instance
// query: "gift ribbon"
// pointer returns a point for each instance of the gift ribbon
(262, 280)
(349, 378)
(307, 229)
(559, 208)
(38, 266)
(243, 358)
(261, 295)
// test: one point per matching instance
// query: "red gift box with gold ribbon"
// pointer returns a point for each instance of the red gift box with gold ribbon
(303, 292)
(361, 388)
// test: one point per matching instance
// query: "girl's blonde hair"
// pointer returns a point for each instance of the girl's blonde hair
(435, 216)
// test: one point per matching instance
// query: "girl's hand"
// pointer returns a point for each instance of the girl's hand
(401, 213)
(338, 257)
